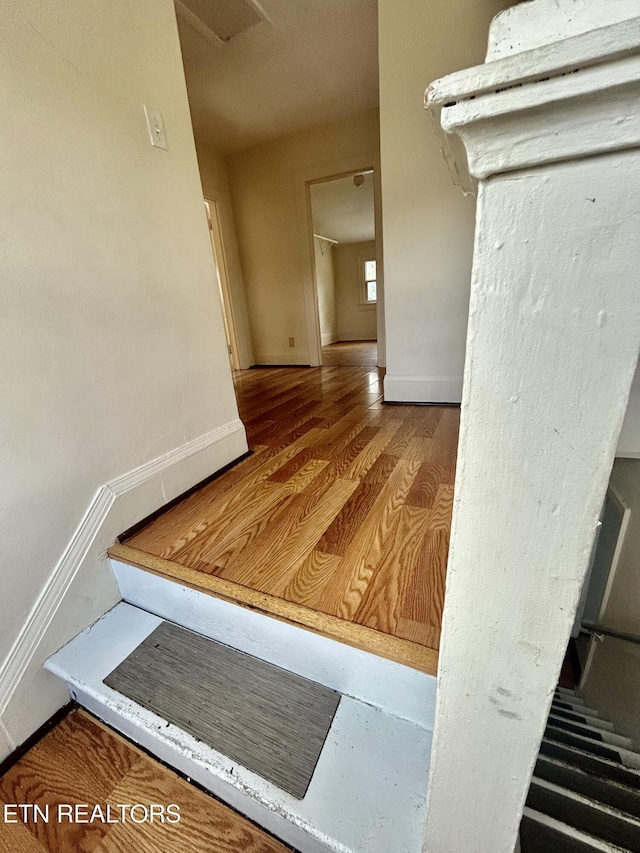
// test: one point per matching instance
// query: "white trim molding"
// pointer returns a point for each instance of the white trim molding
(419, 388)
(116, 506)
(7, 745)
(572, 99)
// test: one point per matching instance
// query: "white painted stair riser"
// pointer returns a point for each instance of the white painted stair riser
(398, 689)
(581, 710)
(627, 757)
(608, 738)
(576, 753)
(580, 798)
(592, 843)
(368, 791)
(595, 723)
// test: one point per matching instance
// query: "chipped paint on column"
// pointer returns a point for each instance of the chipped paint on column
(554, 333)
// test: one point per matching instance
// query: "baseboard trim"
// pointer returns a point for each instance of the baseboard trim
(299, 358)
(116, 506)
(419, 388)
(19, 752)
(7, 746)
(346, 335)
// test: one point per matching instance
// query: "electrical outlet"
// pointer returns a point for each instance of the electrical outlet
(155, 126)
(292, 342)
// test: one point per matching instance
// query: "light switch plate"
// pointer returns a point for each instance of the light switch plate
(156, 128)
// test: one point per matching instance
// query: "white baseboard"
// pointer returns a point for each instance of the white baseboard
(28, 696)
(288, 357)
(417, 388)
(347, 335)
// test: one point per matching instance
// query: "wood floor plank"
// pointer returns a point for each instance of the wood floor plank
(345, 525)
(420, 611)
(280, 551)
(425, 487)
(104, 779)
(316, 571)
(373, 553)
(343, 594)
(381, 605)
(196, 538)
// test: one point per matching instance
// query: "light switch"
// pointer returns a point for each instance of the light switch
(156, 127)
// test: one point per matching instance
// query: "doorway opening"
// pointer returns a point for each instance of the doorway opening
(345, 267)
(222, 277)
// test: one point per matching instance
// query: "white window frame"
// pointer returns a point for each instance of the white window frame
(363, 258)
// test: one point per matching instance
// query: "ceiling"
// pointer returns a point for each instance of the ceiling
(342, 211)
(309, 62)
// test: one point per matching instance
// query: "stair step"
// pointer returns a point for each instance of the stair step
(596, 747)
(540, 833)
(585, 719)
(344, 809)
(606, 791)
(587, 815)
(400, 690)
(590, 731)
(568, 696)
(575, 708)
(590, 763)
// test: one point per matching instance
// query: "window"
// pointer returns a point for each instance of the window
(370, 284)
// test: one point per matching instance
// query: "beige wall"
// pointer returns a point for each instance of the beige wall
(612, 683)
(325, 282)
(428, 224)
(215, 186)
(267, 189)
(356, 322)
(111, 340)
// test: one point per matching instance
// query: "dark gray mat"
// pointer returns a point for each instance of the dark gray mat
(265, 718)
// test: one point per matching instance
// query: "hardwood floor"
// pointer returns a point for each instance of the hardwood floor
(339, 521)
(350, 353)
(82, 762)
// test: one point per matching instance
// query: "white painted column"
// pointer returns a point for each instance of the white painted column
(553, 138)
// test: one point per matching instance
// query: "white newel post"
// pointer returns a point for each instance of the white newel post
(552, 137)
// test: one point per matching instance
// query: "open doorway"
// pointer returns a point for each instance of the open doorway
(345, 267)
(222, 276)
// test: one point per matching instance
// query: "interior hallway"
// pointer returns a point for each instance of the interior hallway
(339, 521)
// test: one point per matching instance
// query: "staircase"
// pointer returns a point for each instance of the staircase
(367, 793)
(585, 792)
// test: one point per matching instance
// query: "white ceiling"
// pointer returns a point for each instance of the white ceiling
(316, 61)
(342, 211)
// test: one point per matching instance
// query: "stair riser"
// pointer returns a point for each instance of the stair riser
(592, 746)
(583, 816)
(593, 732)
(602, 790)
(397, 689)
(581, 710)
(582, 719)
(591, 764)
(537, 836)
(595, 747)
